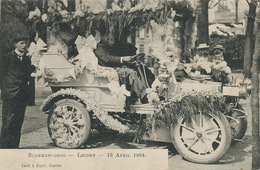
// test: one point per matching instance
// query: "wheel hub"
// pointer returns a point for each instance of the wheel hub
(199, 134)
(67, 123)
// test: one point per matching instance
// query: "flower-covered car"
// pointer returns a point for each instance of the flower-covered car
(194, 116)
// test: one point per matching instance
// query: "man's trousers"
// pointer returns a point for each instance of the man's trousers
(133, 82)
(13, 112)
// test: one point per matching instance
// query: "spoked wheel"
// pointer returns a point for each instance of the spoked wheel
(69, 124)
(237, 119)
(204, 139)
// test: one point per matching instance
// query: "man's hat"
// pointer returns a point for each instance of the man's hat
(202, 46)
(20, 38)
(220, 47)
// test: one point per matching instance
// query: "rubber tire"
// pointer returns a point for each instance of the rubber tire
(86, 117)
(176, 139)
(242, 127)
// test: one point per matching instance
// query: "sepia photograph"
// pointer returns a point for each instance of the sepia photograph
(129, 84)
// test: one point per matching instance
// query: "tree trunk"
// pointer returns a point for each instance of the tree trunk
(109, 2)
(39, 4)
(182, 32)
(203, 21)
(255, 103)
(0, 10)
(31, 7)
(30, 4)
(236, 5)
(249, 40)
(71, 5)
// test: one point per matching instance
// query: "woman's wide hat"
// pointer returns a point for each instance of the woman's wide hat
(202, 46)
(220, 47)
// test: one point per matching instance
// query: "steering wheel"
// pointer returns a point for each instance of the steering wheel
(137, 58)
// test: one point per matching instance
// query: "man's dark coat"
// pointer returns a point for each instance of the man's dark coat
(104, 56)
(14, 77)
(14, 74)
(109, 56)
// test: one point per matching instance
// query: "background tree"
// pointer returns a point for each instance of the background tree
(202, 21)
(14, 23)
(249, 38)
(236, 12)
(71, 5)
(0, 10)
(202, 11)
(255, 102)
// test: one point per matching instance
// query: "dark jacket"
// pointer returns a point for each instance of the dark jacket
(14, 74)
(104, 57)
(123, 49)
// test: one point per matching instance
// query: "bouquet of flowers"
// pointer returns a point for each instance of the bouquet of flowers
(200, 66)
(219, 71)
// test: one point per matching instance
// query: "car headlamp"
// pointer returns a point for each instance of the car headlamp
(243, 91)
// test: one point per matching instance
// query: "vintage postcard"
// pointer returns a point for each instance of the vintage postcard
(126, 84)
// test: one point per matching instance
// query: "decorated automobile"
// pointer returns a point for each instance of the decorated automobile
(195, 116)
(199, 113)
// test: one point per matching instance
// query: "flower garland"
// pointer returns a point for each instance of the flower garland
(163, 42)
(116, 20)
(189, 103)
(91, 105)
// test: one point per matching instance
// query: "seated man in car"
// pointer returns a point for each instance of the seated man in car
(128, 76)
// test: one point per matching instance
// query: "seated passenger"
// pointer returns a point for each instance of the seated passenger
(128, 76)
(218, 53)
(203, 50)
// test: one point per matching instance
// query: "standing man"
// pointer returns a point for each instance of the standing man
(15, 71)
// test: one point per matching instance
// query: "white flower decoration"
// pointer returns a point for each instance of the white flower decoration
(64, 13)
(44, 17)
(79, 13)
(31, 15)
(37, 12)
(91, 105)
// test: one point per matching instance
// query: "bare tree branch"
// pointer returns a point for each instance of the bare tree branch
(16, 16)
(210, 7)
(255, 2)
(63, 7)
(10, 8)
(218, 3)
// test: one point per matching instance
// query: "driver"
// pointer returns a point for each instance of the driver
(127, 76)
